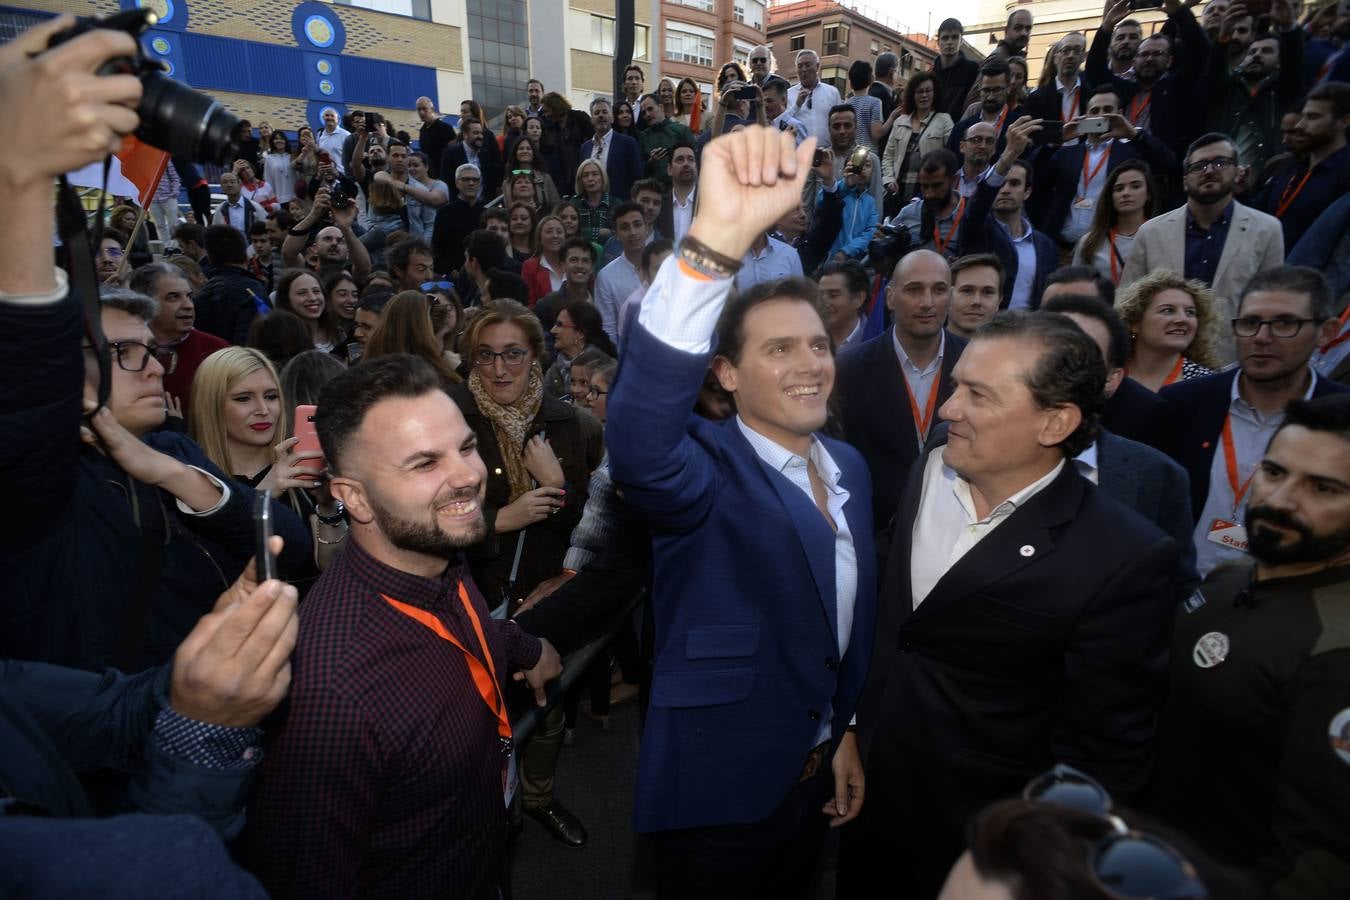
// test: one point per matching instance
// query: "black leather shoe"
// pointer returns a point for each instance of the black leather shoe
(557, 821)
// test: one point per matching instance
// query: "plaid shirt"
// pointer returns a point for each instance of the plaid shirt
(593, 218)
(385, 777)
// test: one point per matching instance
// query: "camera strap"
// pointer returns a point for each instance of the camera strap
(72, 228)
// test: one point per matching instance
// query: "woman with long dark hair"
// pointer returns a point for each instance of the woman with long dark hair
(577, 328)
(919, 130)
(299, 292)
(405, 327)
(1129, 199)
(688, 105)
(524, 159)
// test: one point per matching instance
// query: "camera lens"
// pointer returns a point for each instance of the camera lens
(184, 122)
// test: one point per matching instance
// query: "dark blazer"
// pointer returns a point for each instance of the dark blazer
(962, 125)
(873, 408)
(1062, 173)
(1151, 484)
(1048, 102)
(746, 650)
(1195, 413)
(1047, 642)
(623, 165)
(1136, 413)
(954, 84)
(981, 233)
(489, 163)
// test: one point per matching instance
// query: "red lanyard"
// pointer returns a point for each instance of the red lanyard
(1115, 256)
(1286, 197)
(1175, 373)
(1067, 110)
(922, 421)
(1137, 108)
(1230, 460)
(1087, 177)
(938, 241)
(998, 126)
(484, 676)
(1341, 334)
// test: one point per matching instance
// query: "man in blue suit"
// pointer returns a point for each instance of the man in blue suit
(618, 153)
(764, 571)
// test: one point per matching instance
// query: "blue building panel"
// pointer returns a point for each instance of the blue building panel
(275, 70)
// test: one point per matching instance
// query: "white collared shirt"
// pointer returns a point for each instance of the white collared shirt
(855, 336)
(1079, 219)
(920, 380)
(814, 112)
(947, 527)
(682, 214)
(776, 260)
(600, 149)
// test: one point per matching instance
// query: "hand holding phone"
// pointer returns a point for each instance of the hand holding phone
(1093, 125)
(265, 561)
(307, 438)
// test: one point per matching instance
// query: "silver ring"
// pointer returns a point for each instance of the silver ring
(554, 510)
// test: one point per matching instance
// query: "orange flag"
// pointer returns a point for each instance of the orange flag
(143, 166)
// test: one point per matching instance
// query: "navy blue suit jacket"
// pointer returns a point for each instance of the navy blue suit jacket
(746, 654)
(1196, 409)
(1062, 173)
(874, 411)
(981, 233)
(623, 165)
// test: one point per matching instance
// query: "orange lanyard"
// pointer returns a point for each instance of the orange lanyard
(1341, 334)
(1137, 108)
(938, 240)
(484, 676)
(922, 421)
(1175, 373)
(1230, 460)
(1286, 197)
(1115, 257)
(1087, 177)
(1068, 109)
(998, 126)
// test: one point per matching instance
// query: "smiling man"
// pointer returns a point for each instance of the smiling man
(1023, 616)
(388, 773)
(763, 555)
(173, 328)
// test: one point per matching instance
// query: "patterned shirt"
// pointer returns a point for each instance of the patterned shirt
(385, 779)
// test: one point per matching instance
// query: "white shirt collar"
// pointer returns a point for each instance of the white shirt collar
(961, 488)
(904, 357)
(778, 457)
(1235, 396)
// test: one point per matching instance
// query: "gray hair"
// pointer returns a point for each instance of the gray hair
(598, 100)
(806, 52)
(468, 167)
(144, 279)
(128, 301)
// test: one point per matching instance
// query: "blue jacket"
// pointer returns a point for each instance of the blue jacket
(746, 654)
(982, 233)
(623, 164)
(860, 220)
(70, 545)
(1326, 246)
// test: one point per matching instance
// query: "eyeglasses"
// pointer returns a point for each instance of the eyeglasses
(1283, 327)
(134, 356)
(429, 286)
(595, 392)
(512, 357)
(110, 252)
(755, 59)
(1218, 164)
(1130, 864)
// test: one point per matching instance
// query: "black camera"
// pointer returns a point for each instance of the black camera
(338, 197)
(174, 117)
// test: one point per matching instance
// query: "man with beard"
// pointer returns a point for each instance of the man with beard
(1254, 752)
(389, 771)
(1212, 238)
(1220, 424)
(1016, 36)
(977, 149)
(1153, 96)
(1247, 102)
(933, 219)
(995, 105)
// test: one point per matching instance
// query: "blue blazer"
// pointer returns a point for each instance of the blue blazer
(1196, 409)
(1061, 173)
(981, 233)
(624, 164)
(746, 654)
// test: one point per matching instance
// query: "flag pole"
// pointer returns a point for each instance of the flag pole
(126, 251)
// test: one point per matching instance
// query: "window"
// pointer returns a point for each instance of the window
(738, 13)
(740, 52)
(797, 42)
(705, 5)
(602, 38)
(689, 44)
(642, 39)
(499, 51)
(835, 40)
(876, 47)
(754, 13)
(416, 9)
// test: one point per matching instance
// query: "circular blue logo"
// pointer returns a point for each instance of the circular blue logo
(324, 66)
(168, 68)
(326, 87)
(161, 46)
(163, 9)
(320, 31)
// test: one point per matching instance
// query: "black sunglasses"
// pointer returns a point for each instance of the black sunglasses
(1133, 865)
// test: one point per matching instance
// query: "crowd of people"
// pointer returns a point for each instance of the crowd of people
(964, 434)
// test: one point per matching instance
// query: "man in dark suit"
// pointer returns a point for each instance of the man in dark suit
(1219, 425)
(1066, 96)
(473, 148)
(762, 632)
(617, 152)
(1008, 233)
(907, 368)
(1024, 616)
(994, 106)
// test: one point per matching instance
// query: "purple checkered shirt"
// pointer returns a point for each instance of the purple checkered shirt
(385, 778)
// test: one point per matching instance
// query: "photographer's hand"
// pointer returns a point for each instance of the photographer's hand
(95, 112)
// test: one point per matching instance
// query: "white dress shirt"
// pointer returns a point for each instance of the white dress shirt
(1079, 219)
(814, 112)
(682, 214)
(1086, 463)
(613, 285)
(947, 527)
(333, 144)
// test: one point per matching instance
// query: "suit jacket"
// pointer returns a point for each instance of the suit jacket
(623, 165)
(1048, 641)
(1061, 175)
(1137, 414)
(1048, 102)
(981, 233)
(873, 408)
(1195, 413)
(746, 655)
(1148, 482)
(489, 164)
(1255, 243)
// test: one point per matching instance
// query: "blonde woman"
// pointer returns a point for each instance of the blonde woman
(237, 417)
(1173, 323)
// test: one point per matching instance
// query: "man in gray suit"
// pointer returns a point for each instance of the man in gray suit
(1213, 238)
(1142, 478)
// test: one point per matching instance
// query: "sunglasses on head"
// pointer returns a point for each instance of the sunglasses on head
(1132, 865)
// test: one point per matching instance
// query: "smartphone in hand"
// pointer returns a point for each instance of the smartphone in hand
(309, 438)
(265, 561)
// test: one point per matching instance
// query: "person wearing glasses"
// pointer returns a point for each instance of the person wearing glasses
(1221, 424)
(1212, 238)
(577, 328)
(1065, 96)
(173, 329)
(539, 453)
